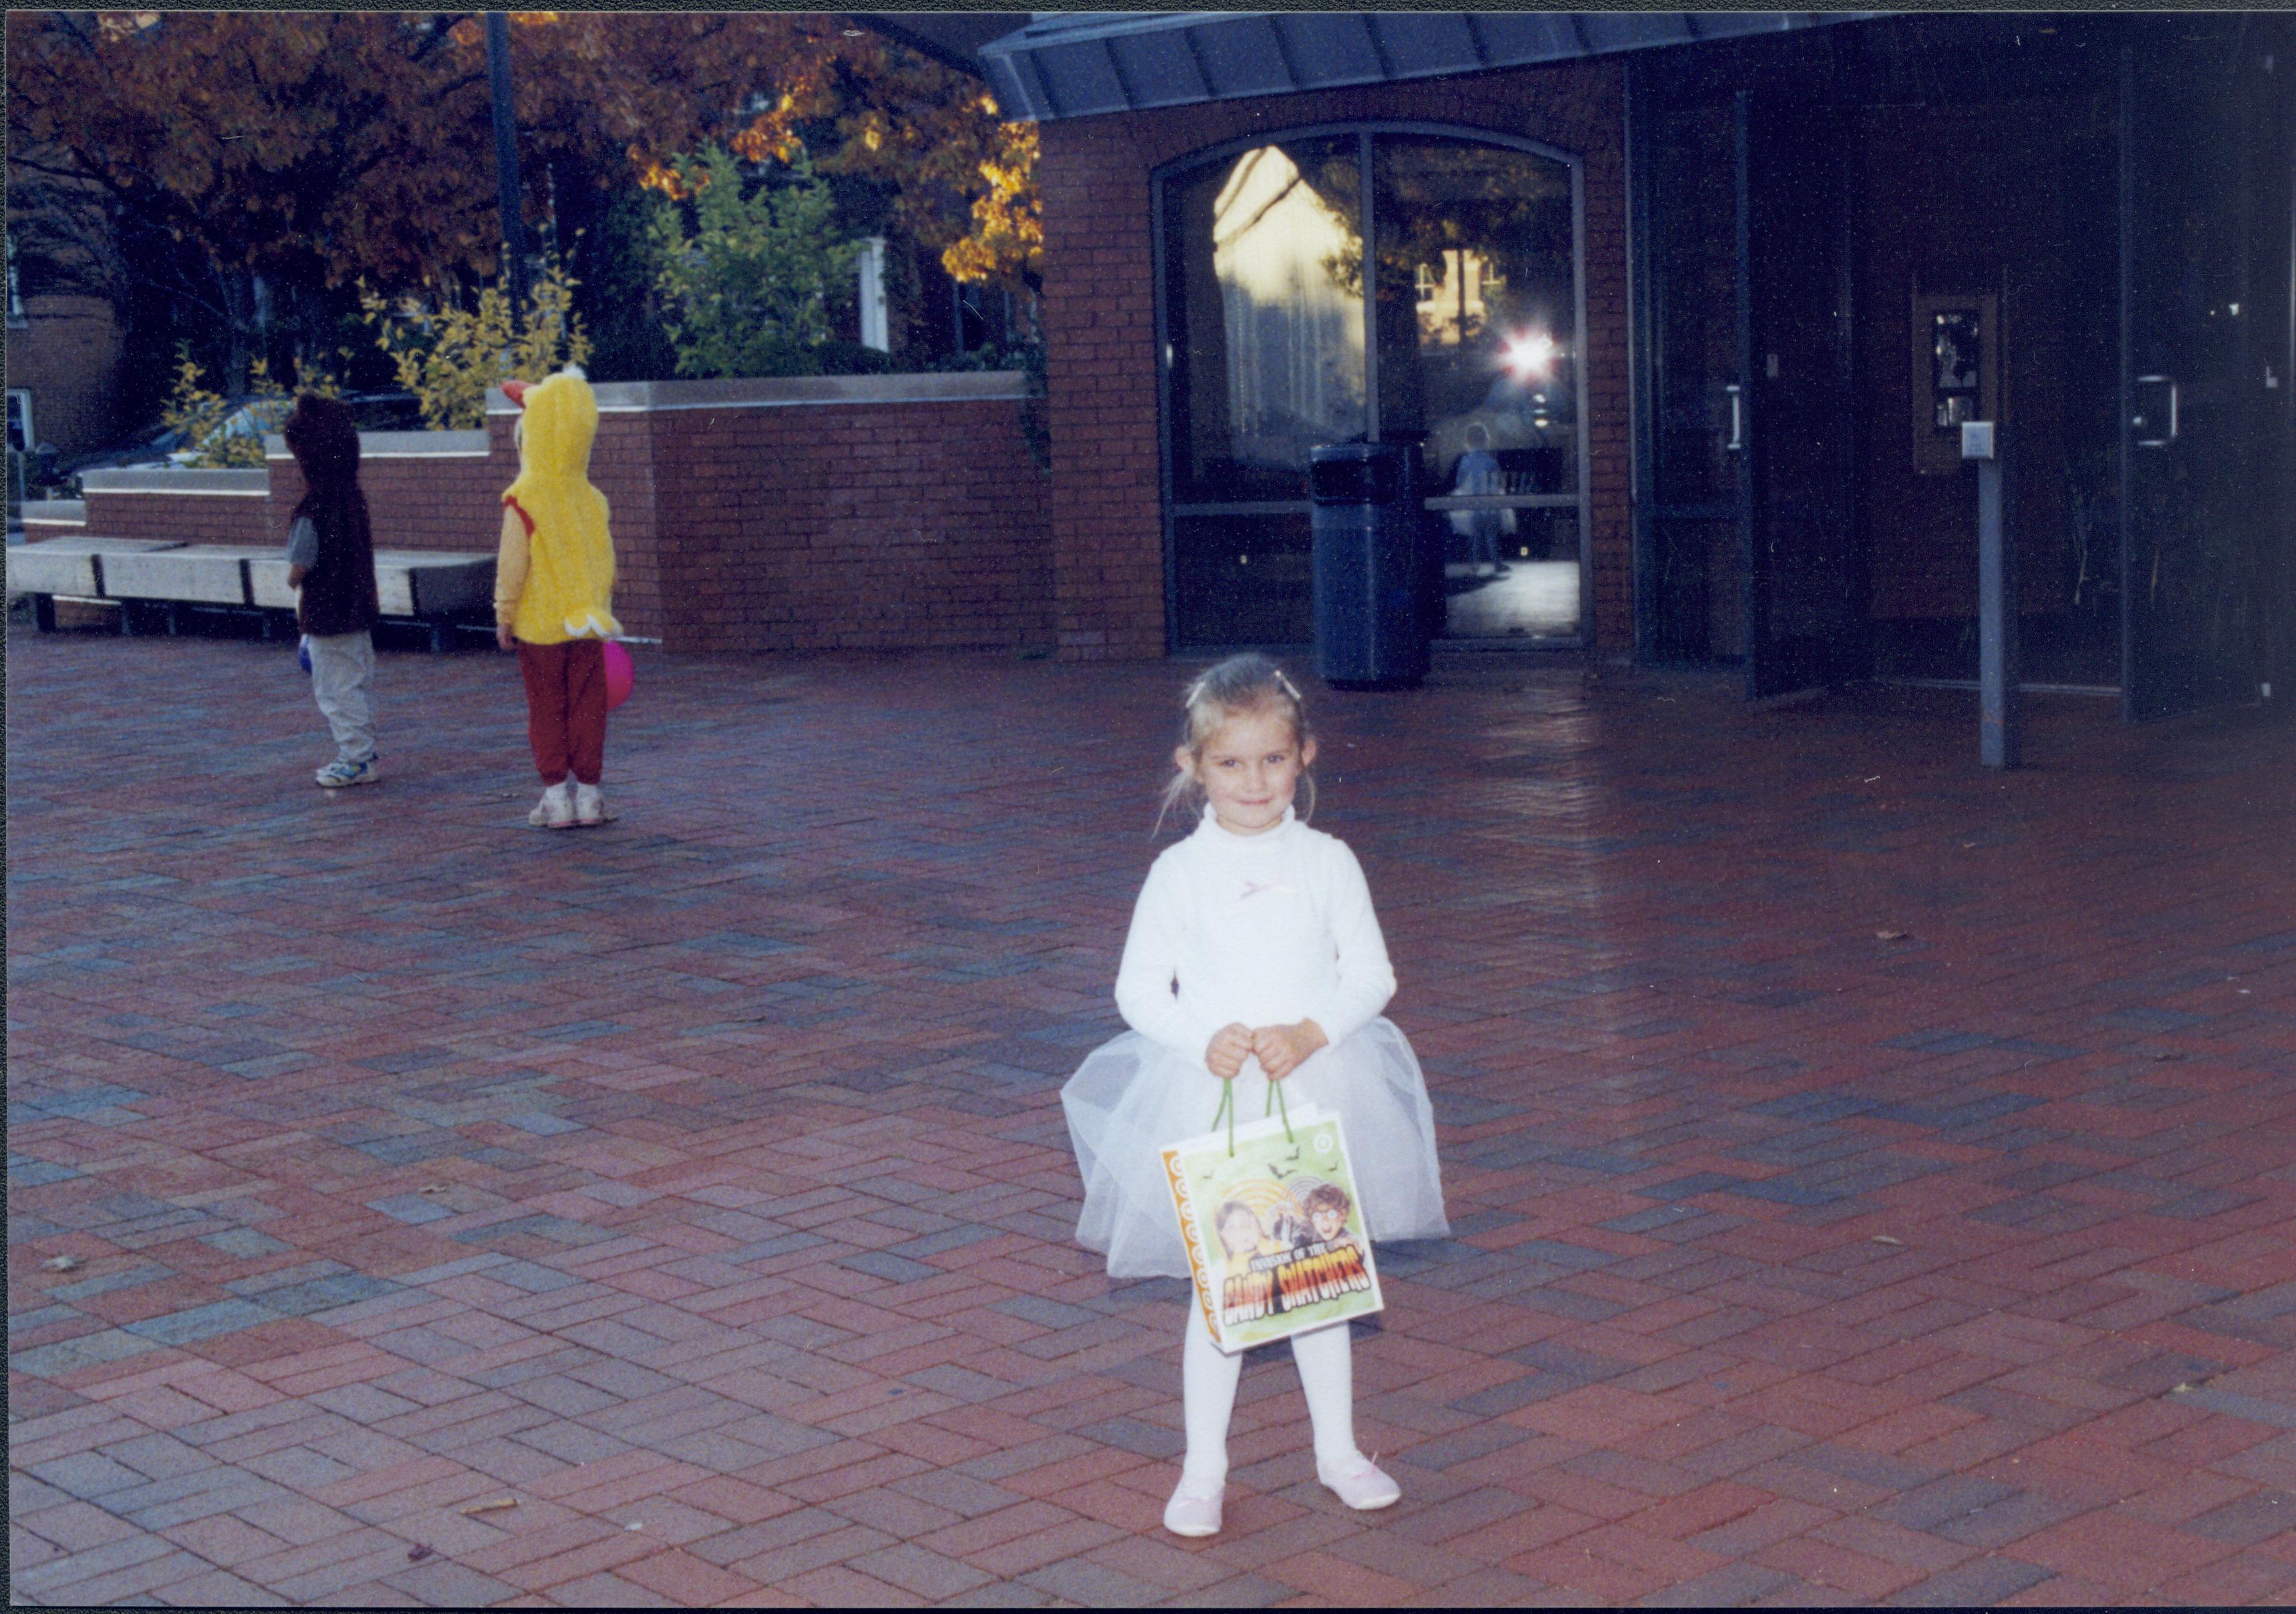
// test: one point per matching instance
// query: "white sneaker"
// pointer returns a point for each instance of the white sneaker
(1361, 1483)
(555, 811)
(590, 809)
(1195, 1510)
(339, 774)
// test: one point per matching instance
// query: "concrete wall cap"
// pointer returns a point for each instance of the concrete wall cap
(239, 484)
(55, 511)
(782, 392)
(400, 445)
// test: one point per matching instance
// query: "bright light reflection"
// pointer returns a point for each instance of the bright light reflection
(1529, 355)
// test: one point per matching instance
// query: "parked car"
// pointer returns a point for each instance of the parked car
(158, 446)
(386, 411)
(141, 450)
(254, 417)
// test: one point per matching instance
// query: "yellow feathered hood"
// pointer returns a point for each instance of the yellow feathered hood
(569, 580)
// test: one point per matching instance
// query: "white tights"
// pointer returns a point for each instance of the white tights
(1207, 1380)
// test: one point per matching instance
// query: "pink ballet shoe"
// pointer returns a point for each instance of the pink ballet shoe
(1361, 1483)
(1195, 1510)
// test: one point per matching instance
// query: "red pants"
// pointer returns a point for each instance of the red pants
(566, 708)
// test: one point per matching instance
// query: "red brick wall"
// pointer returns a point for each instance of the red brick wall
(815, 527)
(845, 527)
(1099, 312)
(213, 517)
(416, 502)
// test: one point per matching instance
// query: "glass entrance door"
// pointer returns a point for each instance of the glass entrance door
(1696, 506)
(1459, 330)
(2201, 153)
(1747, 551)
(1805, 611)
(1475, 313)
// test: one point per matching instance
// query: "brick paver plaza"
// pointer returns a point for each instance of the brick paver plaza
(679, 1213)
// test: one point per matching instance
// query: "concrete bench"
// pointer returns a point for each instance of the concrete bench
(70, 566)
(435, 589)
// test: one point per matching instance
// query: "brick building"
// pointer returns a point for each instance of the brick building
(1684, 313)
(63, 370)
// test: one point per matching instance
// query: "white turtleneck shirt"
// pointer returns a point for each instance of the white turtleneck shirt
(1263, 929)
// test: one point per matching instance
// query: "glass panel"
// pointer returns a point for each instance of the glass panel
(1265, 315)
(1476, 313)
(1242, 580)
(1511, 574)
(1694, 293)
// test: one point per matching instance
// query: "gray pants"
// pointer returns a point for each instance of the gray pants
(343, 677)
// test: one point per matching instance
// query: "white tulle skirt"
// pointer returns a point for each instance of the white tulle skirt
(1131, 1097)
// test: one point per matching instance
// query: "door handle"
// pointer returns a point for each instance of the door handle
(1737, 443)
(2168, 381)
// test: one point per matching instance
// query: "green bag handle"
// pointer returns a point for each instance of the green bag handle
(1277, 1104)
(1276, 1098)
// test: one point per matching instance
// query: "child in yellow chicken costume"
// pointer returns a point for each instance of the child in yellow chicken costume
(553, 595)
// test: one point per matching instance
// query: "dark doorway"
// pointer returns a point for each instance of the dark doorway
(1849, 242)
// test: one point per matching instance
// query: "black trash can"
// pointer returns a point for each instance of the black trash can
(1370, 575)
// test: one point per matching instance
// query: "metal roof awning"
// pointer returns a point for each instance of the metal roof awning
(952, 38)
(1074, 64)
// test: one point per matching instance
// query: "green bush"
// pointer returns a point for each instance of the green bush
(753, 275)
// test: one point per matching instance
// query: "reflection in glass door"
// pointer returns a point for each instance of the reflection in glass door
(1264, 345)
(1466, 339)
(1476, 310)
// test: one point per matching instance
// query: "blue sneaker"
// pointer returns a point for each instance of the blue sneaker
(336, 775)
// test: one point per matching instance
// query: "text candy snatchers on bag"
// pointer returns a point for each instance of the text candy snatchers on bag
(1274, 1235)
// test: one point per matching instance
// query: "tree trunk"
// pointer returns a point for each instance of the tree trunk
(239, 304)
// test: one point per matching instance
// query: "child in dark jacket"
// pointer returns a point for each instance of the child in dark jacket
(331, 560)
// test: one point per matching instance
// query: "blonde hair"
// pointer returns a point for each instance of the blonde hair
(1240, 684)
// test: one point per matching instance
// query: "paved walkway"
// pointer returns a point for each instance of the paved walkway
(1872, 1180)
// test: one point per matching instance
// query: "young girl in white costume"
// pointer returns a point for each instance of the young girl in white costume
(1254, 956)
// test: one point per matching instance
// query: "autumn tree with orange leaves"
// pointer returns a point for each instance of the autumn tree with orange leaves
(249, 168)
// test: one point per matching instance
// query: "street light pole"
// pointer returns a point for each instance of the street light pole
(507, 163)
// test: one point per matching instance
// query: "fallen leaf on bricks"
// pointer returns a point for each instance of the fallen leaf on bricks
(2166, 1056)
(635, 1524)
(496, 1505)
(1888, 936)
(60, 1262)
(2181, 1389)
(417, 1555)
(1883, 1238)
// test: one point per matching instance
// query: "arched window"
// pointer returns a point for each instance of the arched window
(1464, 336)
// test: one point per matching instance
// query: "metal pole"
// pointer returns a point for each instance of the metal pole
(1998, 672)
(507, 163)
